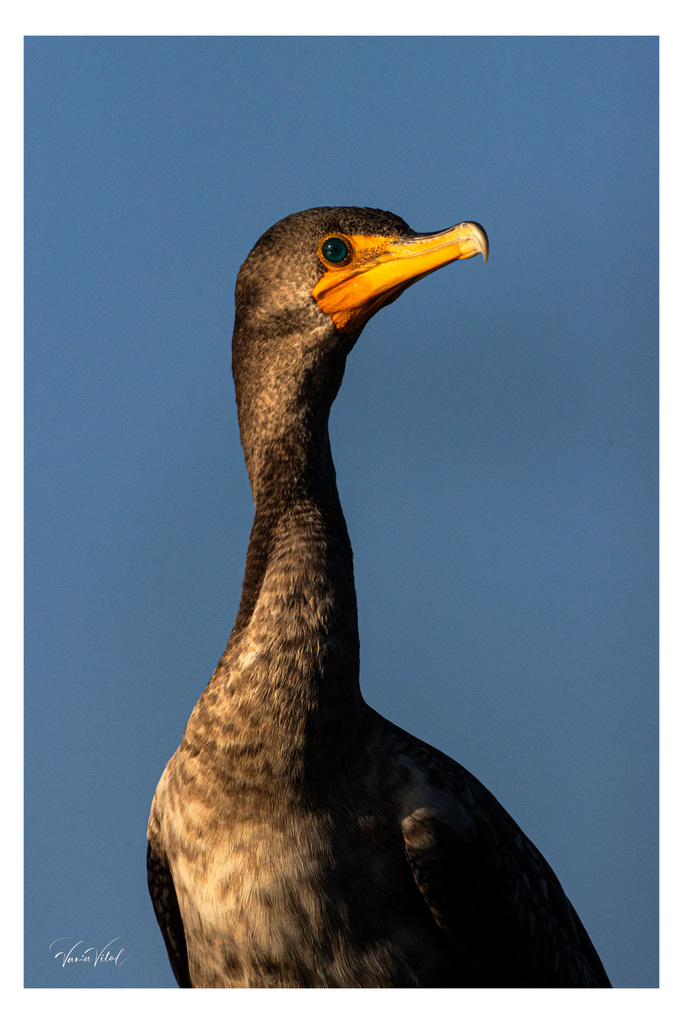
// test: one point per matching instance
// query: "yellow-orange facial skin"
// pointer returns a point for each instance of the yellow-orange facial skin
(378, 269)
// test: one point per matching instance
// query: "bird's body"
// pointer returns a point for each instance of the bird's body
(297, 838)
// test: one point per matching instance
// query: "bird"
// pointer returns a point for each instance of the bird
(297, 838)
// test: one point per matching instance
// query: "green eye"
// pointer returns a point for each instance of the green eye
(334, 250)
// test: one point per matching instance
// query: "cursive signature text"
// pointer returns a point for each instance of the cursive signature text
(78, 954)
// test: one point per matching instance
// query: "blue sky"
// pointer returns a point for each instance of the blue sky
(495, 437)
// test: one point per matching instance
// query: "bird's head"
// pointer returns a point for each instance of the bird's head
(309, 286)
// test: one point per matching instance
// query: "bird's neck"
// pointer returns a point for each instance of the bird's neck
(290, 673)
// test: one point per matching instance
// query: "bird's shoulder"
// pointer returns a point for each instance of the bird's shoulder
(484, 880)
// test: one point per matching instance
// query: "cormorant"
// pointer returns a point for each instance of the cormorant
(297, 838)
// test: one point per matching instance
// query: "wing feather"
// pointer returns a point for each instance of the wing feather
(487, 885)
(165, 902)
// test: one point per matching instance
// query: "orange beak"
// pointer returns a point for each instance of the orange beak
(378, 269)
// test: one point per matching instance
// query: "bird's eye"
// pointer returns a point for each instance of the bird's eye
(334, 250)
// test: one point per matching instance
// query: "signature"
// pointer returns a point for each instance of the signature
(78, 954)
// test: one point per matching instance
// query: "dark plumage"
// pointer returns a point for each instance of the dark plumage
(296, 837)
